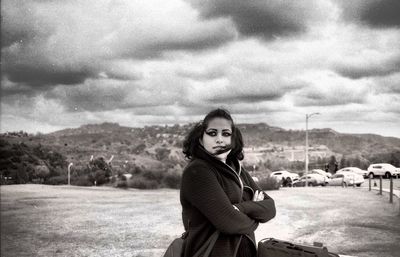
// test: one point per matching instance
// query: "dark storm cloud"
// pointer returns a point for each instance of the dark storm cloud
(43, 76)
(9, 37)
(265, 19)
(17, 23)
(373, 13)
(204, 39)
(43, 46)
(90, 97)
(382, 13)
(197, 42)
(357, 71)
(247, 97)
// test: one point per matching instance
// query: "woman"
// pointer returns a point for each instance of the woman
(217, 193)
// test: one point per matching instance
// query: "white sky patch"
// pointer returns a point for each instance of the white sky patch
(327, 89)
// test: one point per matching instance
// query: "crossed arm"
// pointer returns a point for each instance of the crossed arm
(261, 208)
(203, 190)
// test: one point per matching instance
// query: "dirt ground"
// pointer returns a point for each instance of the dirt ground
(38, 220)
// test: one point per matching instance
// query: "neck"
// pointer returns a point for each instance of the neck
(222, 159)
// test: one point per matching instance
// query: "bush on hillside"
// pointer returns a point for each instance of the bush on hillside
(156, 175)
(162, 153)
(81, 181)
(142, 183)
(269, 183)
(57, 180)
(172, 179)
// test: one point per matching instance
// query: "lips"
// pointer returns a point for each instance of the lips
(221, 149)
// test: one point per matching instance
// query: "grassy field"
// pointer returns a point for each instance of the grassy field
(38, 220)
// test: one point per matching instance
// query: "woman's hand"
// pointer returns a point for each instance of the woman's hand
(258, 196)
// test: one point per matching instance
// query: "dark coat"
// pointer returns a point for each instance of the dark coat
(208, 191)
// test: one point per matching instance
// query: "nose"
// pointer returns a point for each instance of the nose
(219, 140)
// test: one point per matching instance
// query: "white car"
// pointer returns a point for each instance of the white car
(321, 172)
(383, 169)
(312, 179)
(363, 173)
(283, 174)
(346, 179)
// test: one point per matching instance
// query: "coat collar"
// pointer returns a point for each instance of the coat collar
(233, 169)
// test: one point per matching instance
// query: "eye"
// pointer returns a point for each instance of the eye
(211, 133)
(226, 134)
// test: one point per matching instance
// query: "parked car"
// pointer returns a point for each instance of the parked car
(363, 173)
(312, 180)
(346, 178)
(321, 172)
(383, 169)
(281, 175)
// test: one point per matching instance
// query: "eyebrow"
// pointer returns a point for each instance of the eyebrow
(213, 129)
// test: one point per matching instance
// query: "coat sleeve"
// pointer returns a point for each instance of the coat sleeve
(262, 211)
(201, 188)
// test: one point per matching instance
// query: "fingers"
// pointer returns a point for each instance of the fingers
(258, 196)
(255, 196)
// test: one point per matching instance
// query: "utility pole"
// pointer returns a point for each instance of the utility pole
(306, 157)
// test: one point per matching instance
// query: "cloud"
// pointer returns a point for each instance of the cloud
(361, 52)
(201, 73)
(44, 76)
(378, 14)
(326, 89)
(375, 68)
(45, 44)
(387, 84)
(68, 63)
(382, 13)
(266, 19)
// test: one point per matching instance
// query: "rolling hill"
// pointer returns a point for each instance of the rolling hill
(267, 147)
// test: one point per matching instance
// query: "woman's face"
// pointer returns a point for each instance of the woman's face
(217, 139)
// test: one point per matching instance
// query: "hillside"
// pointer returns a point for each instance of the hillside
(159, 147)
(341, 143)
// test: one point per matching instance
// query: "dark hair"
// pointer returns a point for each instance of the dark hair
(192, 140)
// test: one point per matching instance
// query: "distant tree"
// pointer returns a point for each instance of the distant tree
(139, 149)
(162, 153)
(21, 176)
(342, 162)
(100, 170)
(332, 165)
(395, 159)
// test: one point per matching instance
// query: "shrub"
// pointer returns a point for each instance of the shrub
(57, 180)
(162, 153)
(142, 183)
(121, 183)
(172, 179)
(156, 175)
(269, 183)
(81, 181)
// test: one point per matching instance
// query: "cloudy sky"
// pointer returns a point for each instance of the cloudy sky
(72, 62)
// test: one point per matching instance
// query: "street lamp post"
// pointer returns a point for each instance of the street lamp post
(306, 157)
(69, 173)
